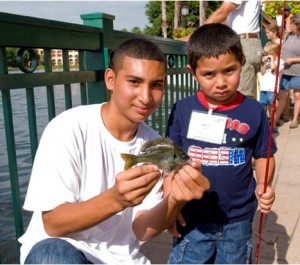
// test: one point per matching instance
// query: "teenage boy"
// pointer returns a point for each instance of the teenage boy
(86, 208)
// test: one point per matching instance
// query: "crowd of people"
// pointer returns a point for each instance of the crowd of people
(287, 74)
(88, 209)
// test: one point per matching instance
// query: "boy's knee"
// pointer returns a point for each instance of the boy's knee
(55, 251)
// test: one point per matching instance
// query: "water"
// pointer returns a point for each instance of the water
(8, 244)
(21, 131)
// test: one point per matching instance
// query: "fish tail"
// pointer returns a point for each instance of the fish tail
(129, 160)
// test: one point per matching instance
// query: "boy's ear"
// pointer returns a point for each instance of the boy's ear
(189, 68)
(109, 78)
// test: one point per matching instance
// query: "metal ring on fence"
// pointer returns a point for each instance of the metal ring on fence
(171, 60)
(27, 60)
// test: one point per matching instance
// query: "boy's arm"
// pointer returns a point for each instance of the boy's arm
(187, 184)
(265, 199)
(131, 187)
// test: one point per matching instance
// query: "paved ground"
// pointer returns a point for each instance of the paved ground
(280, 242)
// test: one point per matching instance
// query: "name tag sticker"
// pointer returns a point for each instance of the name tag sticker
(207, 127)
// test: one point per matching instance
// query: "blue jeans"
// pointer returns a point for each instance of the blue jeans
(214, 243)
(55, 251)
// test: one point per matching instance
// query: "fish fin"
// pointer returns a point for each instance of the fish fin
(155, 142)
(129, 160)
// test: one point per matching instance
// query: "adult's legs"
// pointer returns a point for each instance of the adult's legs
(286, 112)
(294, 123)
(55, 251)
(252, 49)
(283, 94)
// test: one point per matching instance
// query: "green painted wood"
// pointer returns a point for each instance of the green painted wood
(49, 88)
(32, 121)
(11, 151)
(42, 32)
(12, 162)
(96, 91)
(12, 81)
(93, 40)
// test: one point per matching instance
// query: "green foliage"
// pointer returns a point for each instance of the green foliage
(275, 7)
(182, 32)
(136, 30)
(154, 14)
(11, 55)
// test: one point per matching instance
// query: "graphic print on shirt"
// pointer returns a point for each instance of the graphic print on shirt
(224, 156)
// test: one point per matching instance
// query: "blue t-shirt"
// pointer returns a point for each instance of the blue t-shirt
(228, 166)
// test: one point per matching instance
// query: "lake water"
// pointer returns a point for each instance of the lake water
(20, 120)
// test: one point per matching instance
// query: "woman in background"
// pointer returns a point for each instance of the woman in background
(290, 79)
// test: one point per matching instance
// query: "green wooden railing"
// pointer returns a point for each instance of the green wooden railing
(94, 41)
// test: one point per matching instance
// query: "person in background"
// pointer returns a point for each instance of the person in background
(267, 76)
(287, 29)
(86, 208)
(272, 32)
(225, 130)
(287, 18)
(290, 79)
(243, 18)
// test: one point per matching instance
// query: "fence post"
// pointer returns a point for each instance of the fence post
(99, 60)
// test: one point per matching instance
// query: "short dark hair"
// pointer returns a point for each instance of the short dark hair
(213, 40)
(138, 48)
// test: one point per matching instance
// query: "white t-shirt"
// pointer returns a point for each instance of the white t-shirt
(78, 159)
(245, 18)
(267, 81)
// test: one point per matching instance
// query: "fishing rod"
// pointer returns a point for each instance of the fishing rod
(273, 109)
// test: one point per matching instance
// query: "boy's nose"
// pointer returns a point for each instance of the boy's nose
(220, 81)
(145, 94)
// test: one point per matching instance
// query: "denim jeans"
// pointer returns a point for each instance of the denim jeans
(214, 243)
(55, 251)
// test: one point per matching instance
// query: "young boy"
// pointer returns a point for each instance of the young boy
(83, 201)
(267, 76)
(225, 130)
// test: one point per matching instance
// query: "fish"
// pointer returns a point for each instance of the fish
(161, 152)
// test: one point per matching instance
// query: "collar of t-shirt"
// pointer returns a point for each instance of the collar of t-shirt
(237, 101)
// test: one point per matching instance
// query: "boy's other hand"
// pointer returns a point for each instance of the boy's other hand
(188, 183)
(265, 199)
(134, 184)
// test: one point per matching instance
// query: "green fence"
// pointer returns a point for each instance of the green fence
(92, 41)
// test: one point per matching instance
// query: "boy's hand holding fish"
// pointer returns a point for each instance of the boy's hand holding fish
(185, 179)
(133, 185)
(188, 183)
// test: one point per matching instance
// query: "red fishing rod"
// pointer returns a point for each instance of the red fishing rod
(273, 109)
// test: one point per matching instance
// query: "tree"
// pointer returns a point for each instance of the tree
(176, 14)
(202, 11)
(136, 30)
(11, 55)
(164, 24)
(154, 14)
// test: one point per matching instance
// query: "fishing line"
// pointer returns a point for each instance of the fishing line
(273, 109)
